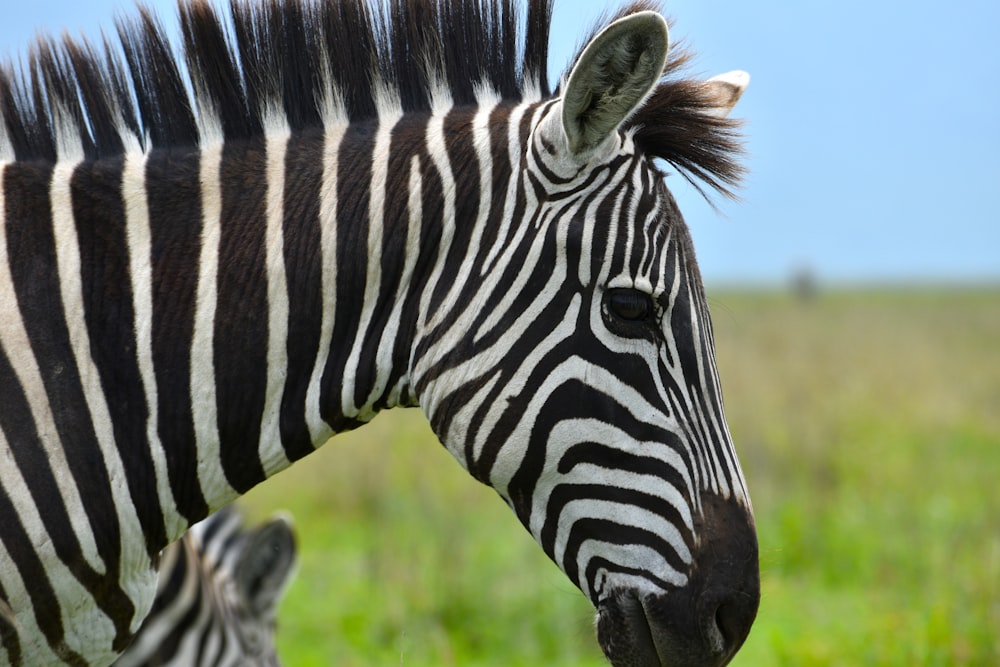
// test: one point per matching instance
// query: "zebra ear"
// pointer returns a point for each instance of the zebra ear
(266, 565)
(725, 91)
(612, 78)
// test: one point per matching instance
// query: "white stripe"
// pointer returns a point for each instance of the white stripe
(15, 345)
(707, 430)
(69, 143)
(33, 643)
(211, 476)
(319, 430)
(462, 426)
(514, 151)
(437, 149)
(271, 451)
(6, 148)
(654, 563)
(623, 515)
(568, 433)
(157, 627)
(140, 248)
(387, 343)
(480, 142)
(373, 278)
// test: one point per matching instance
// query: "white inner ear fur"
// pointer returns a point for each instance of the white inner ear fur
(726, 89)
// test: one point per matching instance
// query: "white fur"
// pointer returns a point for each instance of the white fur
(387, 342)
(514, 151)
(6, 149)
(438, 152)
(211, 476)
(319, 430)
(69, 143)
(271, 451)
(727, 89)
(373, 279)
(139, 239)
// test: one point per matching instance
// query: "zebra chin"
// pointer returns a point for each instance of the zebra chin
(705, 622)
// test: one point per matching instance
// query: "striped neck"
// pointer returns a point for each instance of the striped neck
(291, 283)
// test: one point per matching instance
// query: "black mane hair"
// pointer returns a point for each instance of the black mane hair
(297, 57)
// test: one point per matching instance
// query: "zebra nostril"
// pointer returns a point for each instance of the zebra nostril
(730, 622)
(726, 627)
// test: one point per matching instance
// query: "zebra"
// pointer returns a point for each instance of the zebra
(212, 263)
(217, 594)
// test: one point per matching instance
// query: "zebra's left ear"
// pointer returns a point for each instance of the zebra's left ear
(612, 78)
(266, 565)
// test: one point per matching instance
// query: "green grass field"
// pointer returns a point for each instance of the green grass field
(868, 424)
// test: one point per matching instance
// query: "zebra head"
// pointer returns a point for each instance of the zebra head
(217, 596)
(579, 379)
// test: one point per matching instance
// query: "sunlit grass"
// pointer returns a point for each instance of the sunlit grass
(869, 429)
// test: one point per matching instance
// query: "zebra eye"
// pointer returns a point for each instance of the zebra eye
(630, 305)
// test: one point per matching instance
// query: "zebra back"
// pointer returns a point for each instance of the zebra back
(217, 595)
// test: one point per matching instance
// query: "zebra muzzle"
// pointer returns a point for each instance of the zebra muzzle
(705, 622)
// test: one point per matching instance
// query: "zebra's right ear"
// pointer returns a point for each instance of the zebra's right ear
(725, 90)
(266, 565)
(613, 76)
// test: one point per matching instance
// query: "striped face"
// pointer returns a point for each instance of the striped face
(596, 412)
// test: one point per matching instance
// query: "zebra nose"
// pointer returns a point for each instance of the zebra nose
(725, 584)
(703, 623)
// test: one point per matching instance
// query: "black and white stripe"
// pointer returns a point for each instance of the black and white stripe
(217, 596)
(363, 206)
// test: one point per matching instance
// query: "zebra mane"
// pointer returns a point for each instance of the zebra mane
(309, 61)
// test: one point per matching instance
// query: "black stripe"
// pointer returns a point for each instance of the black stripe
(19, 429)
(431, 197)
(241, 319)
(99, 212)
(610, 532)
(499, 127)
(564, 494)
(354, 168)
(407, 139)
(518, 214)
(33, 267)
(464, 166)
(173, 194)
(597, 563)
(43, 597)
(304, 271)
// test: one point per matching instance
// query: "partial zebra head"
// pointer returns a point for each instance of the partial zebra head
(580, 381)
(217, 595)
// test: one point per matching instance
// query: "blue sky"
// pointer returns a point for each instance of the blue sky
(873, 130)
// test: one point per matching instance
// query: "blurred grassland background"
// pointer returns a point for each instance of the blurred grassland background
(868, 424)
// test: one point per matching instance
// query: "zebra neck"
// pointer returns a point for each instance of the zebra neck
(301, 273)
(224, 310)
